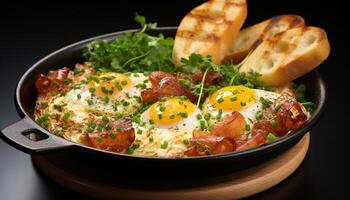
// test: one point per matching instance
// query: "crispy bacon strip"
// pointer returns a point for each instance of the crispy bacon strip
(289, 117)
(117, 139)
(258, 138)
(221, 139)
(54, 81)
(210, 144)
(163, 85)
(231, 126)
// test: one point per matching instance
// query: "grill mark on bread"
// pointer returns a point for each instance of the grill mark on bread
(208, 18)
(193, 35)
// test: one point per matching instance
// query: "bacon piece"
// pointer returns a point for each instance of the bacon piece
(53, 82)
(210, 144)
(117, 139)
(289, 117)
(164, 85)
(231, 126)
(258, 138)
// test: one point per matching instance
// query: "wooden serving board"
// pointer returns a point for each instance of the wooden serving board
(242, 184)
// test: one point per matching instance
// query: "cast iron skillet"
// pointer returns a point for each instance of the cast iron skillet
(128, 165)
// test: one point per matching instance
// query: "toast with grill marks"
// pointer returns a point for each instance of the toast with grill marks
(210, 29)
(249, 38)
(288, 55)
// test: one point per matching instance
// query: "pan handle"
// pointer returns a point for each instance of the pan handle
(31, 138)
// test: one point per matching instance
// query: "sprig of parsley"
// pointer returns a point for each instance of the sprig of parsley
(132, 51)
(229, 71)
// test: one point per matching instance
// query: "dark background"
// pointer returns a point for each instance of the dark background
(29, 32)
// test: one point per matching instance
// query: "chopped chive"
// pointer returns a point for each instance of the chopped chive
(277, 107)
(164, 145)
(151, 139)
(186, 142)
(243, 103)
(44, 104)
(117, 85)
(233, 98)
(53, 93)
(109, 127)
(259, 115)
(207, 116)
(105, 118)
(247, 127)
(274, 123)
(92, 90)
(91, 127)
(151, 121)
(220, 100)
(112, 135)
(90, 102)
(124, 82)
(66, 116)
(100, 127)
(139, 131)
(105, 99)
(79, 96)
(99, 139)
(271, 137)
(160, 116)
(199, 117)
(161, 108)
(183, 114)
(172, 117)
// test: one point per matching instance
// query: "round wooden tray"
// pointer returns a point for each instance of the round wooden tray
(242, 184)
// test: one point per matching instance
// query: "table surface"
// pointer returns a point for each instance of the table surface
(28, 34)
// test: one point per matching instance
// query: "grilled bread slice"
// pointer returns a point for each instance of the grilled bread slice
(249, 38)
(288, 55)
(210, 29)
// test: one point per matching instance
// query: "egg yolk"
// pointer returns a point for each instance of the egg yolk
(171, 111)
(109, 84)
(233, 98)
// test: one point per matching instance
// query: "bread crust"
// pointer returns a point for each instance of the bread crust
(249, 38)
(288, 55)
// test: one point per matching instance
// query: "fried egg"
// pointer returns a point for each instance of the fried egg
(236, 98)
(104, 94)
(166, 126)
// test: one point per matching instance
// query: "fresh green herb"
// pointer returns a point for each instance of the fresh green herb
(277, 107)
(132, 51)
(265, 102)
(124, 82)
(117, 85)
(79, 96)
(300, 92)
(247, 127)
(151, 139)
(53, 93)
(186, 142)
(66, 116)
(91, 127)
(207, 116)
(258, 116)
(90, 102)
(243, 103)
(309, 106)
(112, 135)
(77, 70)
(92, 90)
(220, 100)
(273, 122)
(164, 145)
(109, 127)
(100, 127)
(42, 118)
(105, 119)
(132, 148)
(183, 114)
(198, 116)
(271, 137)
(161, 108)
(44, 104)
(57, 107)
(105, 99)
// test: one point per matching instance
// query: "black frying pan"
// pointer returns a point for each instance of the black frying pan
(131, 166)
